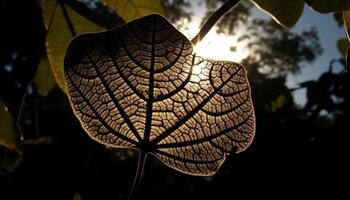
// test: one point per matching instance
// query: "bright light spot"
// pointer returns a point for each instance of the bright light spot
(216, 46)
(196, 70)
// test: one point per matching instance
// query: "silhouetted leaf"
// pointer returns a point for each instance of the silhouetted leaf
(343, 45)
(132, 9)
(140, 86)
(8, 136)
(59, 35)
(286, 13)
(44, 79)
(326, 6)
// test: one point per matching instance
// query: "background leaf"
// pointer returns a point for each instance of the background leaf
(326, 6)
(131, 9)
(59, 35)
(76, 196)
(8, 134)
(343, 45)
(44, 80)
(286, 13)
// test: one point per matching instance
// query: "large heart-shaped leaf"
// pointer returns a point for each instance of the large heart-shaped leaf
(140, 86)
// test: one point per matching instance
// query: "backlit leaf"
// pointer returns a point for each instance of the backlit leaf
(326, 6)
(44, 80)
(59, 35)
(132, 9)
(8, 135)
(286, 13)
(140, 86)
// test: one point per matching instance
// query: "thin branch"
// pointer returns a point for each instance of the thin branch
(213, 19)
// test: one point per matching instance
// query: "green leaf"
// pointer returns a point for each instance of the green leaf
(278, 103)
(76, 196)
(132, 9)
(326, 6)
(44, 79)
(8, 135)
(343, 45)
(59, 35)
(286, 13)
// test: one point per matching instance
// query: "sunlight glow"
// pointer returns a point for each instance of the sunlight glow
(196, 70)
(217, 46)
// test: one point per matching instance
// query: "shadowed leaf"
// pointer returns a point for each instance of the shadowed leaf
(59, 35)
(278, 103)
(8, 135)
(76, 196)
(44, 80)
(132, 9)
(286, 13)
(343, 45)
(140, 86)
(326, 6)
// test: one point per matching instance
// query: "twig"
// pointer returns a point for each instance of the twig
(213, 19)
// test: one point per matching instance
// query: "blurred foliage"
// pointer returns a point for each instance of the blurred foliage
(299, 149)
(8, 134)
(279, 51)
(177, 10)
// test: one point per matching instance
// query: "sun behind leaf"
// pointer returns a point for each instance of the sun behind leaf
(140, 86)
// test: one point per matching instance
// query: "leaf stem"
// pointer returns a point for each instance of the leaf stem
(213, 19)
(139, 171)
(85, 167)
(67, 18)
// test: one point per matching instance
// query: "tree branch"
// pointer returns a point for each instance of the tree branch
(213, 19)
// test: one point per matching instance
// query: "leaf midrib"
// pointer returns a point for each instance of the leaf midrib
(150, 100)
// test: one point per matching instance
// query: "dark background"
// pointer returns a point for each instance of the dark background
(296, 152)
